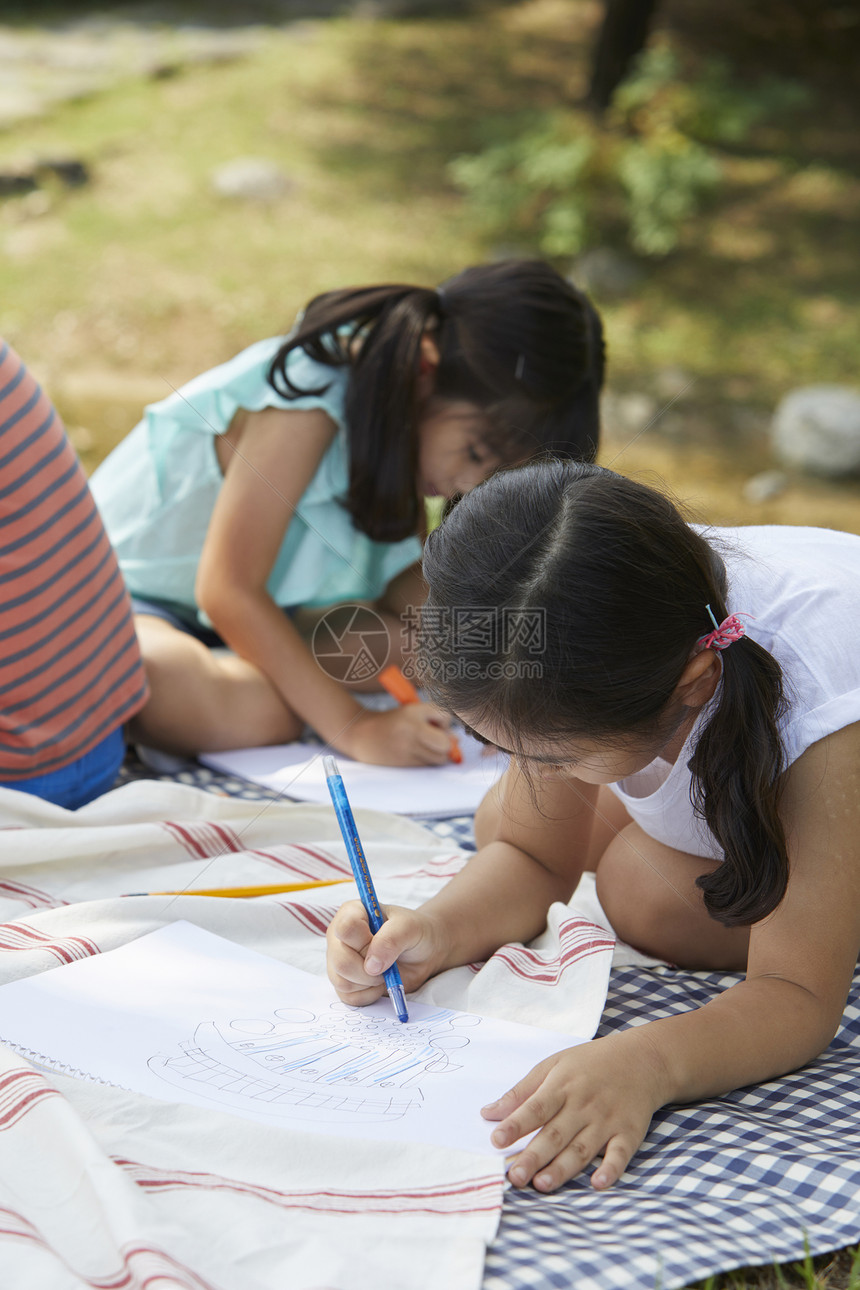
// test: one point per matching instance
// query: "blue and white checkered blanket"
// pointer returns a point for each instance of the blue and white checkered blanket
(757, 1177)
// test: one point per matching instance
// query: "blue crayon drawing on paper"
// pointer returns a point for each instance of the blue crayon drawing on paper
(335, 1066)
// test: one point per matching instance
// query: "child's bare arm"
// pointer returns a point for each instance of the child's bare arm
(599, 1099)
(802, 957)
(407, 591)
(266, 475)
(535, 857)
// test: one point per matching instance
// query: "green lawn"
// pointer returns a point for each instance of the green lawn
(146, 276)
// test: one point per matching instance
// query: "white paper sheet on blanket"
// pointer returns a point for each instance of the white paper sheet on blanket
(186, 1016)
(296, 770)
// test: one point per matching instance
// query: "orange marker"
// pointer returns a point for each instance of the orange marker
(402, 689)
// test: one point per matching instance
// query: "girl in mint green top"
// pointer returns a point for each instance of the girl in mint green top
(157, 491)
(293, 476)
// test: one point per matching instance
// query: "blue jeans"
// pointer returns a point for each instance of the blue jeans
(85, 779)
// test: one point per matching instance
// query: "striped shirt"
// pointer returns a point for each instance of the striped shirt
(70, 669)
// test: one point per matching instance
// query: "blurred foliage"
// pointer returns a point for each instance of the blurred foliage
(560, 173)
(122, 288)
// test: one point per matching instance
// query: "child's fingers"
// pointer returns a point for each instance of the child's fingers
(546, 1175)
(395, 938)
(543, 1165)
(348, 975)
(571, 1128)
(565, 1141)
(509, 1102)
(434, 735)
(438, 716)
(616, 1158)
(350, 926)
(356, 996)
(347, 940)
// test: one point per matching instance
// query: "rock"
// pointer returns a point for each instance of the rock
(817, 428)
(58, 60)
(13, 183)
(606, 272)
(70, 172)
(251, 179)
(765, 486)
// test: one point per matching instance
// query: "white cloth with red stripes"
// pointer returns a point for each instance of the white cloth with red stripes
(104, 1188)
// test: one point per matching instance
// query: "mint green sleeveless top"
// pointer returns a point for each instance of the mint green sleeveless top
(157, 489)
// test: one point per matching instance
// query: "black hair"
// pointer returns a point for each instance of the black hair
(515, 338)
(621, 583)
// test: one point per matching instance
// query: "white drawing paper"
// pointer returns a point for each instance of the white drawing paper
(296, 770)
(183, 1015)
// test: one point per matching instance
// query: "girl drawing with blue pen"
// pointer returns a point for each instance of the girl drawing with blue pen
(695, 737)
(293, 478)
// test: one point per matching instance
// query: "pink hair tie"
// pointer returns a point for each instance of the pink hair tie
(724, 633)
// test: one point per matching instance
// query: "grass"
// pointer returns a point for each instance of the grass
(840, 1271)
(121, 289)
(118, 290)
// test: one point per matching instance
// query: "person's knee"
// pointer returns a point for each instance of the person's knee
(636, 897)
(159, 643)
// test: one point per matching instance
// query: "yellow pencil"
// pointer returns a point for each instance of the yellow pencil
(241, 892)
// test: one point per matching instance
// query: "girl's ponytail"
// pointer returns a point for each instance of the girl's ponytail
(377, 332)
(736, 768)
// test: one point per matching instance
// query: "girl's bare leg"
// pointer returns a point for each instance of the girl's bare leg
(610, 818)
(204, 702)
(648, 891)
(651, 899)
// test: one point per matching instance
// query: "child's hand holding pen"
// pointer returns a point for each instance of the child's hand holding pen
(356, 959)
(402, 689)
(591, 1102)
(405, 736)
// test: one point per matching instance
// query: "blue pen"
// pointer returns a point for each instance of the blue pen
(363, 880)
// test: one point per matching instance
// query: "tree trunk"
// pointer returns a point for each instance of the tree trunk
(622, 36)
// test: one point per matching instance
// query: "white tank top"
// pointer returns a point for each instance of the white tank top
(802, 586)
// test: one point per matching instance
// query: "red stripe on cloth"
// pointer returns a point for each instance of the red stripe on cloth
(18, 936)
(544, 973)
(184, 837)
(478, 1195)
(143, 1265)
(20, 1090)
(228, 839)
(577, 939)
(315, 918)
(326, 859)
(31, 896)
(25, 1102)
(204, 841)
(299, 871)
(146, 1266)
(326, 866)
